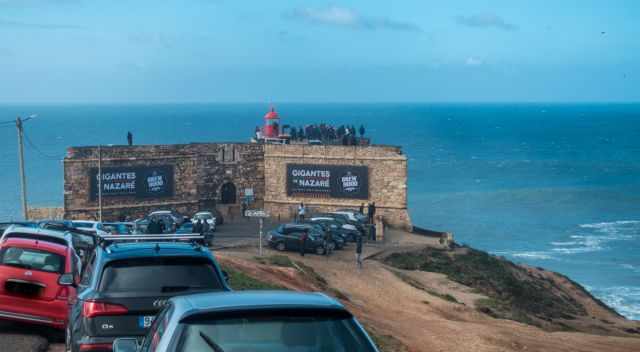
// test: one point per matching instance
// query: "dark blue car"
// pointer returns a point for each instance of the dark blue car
(126, 284)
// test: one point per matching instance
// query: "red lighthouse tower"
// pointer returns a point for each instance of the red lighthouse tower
(271, 127)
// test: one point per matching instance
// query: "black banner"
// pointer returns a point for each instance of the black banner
(138, 182)
(333, 181)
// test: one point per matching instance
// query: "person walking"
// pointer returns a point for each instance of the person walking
(359, 251)
(130, 138)
(301, 212)
(303, 243)
(370, 213)
(361, 209)
(197, 227)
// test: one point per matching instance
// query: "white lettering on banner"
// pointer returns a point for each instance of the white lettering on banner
(311, 173)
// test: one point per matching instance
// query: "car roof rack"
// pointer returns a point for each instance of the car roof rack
(194, 239)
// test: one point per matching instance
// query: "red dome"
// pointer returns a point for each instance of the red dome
(271, 115)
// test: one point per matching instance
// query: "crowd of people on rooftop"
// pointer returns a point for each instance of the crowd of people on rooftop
(344, 134)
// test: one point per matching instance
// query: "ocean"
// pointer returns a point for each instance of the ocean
(550, 185)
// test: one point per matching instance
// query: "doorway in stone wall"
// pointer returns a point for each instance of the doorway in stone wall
(228, 193)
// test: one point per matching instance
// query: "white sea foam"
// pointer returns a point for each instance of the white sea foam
(624, 299)
(594, 237)
(526, 254)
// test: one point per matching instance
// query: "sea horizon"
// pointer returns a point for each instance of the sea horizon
(545, 184)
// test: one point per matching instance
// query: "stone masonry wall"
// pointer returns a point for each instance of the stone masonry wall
(200, 170)
(387, 179)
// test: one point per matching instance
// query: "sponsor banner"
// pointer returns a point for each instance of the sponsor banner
(138, 182)
(333, 181)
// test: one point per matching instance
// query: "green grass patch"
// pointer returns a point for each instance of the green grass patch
(277, 260)
(513, 292)
(240, 281)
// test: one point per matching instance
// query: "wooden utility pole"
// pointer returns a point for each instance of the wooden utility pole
(100, 183)
(23, 179)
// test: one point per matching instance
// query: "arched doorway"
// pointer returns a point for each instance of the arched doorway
(228, 193)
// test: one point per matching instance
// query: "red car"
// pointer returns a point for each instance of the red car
(35, 281)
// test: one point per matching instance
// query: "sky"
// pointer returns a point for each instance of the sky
(99, 51)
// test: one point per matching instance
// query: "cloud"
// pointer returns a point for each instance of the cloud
(473, 61)
(486, 21)
(349, 18)
(18, 24)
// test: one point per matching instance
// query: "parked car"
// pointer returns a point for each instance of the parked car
(337, 240)
(82, 243)
(6, 225)
(170, 216)
(205, 216)
(287, 237)
(187, 228)
(354, 215)
(345, 223)
(33, 281)
(127, 283)
(256, 321)
(89, 225)
(119, 228)
(349, 235)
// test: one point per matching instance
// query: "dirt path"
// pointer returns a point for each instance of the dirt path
(424, 321)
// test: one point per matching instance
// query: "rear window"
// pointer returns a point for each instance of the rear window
(32, 259)
(82, 224)
(168, 275)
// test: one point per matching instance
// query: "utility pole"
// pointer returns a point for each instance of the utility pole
(100, 183)
(23, 179)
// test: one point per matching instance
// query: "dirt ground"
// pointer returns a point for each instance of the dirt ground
(422, 320)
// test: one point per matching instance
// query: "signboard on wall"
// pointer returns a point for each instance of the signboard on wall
(138, 182)
(332, 181)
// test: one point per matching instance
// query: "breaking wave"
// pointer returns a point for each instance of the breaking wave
(624, 299)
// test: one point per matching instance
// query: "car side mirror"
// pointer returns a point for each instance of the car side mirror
(225, 274)
(125, 344)
(66, 280)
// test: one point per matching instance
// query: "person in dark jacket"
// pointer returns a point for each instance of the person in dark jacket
(359, 252)
(361, 209)
(205, 227)
(303, 243)
(197, 227)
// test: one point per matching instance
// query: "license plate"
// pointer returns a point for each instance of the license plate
(145, 321)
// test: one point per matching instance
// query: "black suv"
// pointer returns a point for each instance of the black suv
(287, 237)
(126, 284)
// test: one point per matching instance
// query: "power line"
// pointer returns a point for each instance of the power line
(43, 154)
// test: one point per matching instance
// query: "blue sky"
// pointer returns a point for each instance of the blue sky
(318, 51)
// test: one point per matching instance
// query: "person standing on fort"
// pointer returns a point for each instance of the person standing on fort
(301, 212)
(130, 138)
(359, 251)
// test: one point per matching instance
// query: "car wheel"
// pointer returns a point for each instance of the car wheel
(320, 250)
(280, 246)
(67, 339)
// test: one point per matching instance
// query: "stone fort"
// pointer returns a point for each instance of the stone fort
(202, 176)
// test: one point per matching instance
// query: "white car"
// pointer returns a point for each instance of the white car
(88, 225)
(207, 216)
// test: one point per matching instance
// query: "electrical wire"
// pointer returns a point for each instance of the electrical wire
(42, 154)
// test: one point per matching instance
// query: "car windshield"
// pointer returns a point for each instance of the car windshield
(159, 275)
(204, 216)
(274, 334)
(82, 224)
(32, 259)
